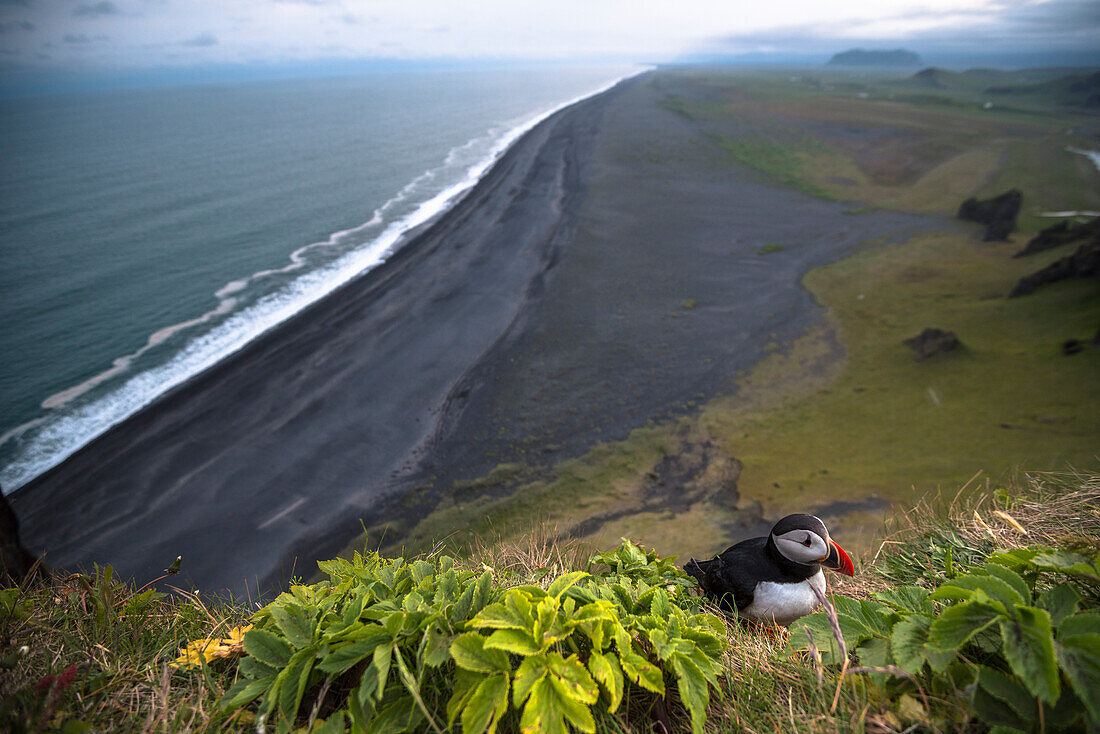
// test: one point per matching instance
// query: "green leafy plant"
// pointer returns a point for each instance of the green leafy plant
(1003, 640)
(373, 636)
(582, 639)
(384, 645)
(633, 563)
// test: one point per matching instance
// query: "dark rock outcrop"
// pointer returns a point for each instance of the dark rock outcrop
(1084, 263)
(1072, 346)
(872, 57)
(932, 341)
(15, 561)
(998, 214)
(1062, 233)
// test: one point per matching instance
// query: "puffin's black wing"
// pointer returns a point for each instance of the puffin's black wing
(730, 579)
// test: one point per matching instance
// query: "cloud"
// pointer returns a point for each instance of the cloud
(102, 8)
(202, 40)
(1011, 25)
(77, 38)
(18, 25)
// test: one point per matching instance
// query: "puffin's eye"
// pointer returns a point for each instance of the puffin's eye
(806, 541)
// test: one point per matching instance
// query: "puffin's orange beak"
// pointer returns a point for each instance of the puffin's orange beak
(838, 560)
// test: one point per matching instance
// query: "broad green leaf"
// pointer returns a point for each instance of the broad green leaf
(267, 647)
(487, 704)
(512, 612)
(1009, 691)
(1013, 579)
(401, 715)
(294, 623)
(295, 675)
(1080, 659)
(573, 677)
(543, 712)
(596, 632)
(605, 669)
(964, 587)
(658, 607)
(693, 691)
(420, 570)
(518, 642)
(1066, 562)
(469, 652)
(482, 592)
(251, 667)
(907, 642)
(564, 582)
(990, 710)
(368, 688)
(551, 626)
(530, 671)
(576, 712)
(383, 657)
(413, 601)
(1082, 623)
(448, 586)
(333, 725)
(705, 640)
(958, 623)
(907, 599)
(244, 691)
(465, 685)
(1029, 649)
(874, 652)
(642, 672)
(461, 610)
(437, 646)
(1060, 601)
(1016, 558)
(345, 656)
(595, 610)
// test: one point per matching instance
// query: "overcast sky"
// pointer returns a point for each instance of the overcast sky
(136, 34)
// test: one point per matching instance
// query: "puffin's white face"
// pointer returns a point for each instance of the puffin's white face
(802, 546)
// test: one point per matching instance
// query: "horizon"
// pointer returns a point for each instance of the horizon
(48, 48)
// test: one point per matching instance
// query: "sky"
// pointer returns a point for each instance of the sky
(38, 36)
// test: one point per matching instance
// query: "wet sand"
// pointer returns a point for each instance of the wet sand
(605, 272)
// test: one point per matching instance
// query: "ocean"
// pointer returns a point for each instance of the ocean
(146, 234)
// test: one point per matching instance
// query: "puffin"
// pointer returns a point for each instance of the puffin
(768, 579)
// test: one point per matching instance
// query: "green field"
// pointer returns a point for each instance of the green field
(844, 421)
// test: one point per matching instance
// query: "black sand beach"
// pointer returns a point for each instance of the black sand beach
(605, 272)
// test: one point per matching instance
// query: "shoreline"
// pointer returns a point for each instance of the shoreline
(168, 480)
(74, 431)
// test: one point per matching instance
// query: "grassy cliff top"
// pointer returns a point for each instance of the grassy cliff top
(93, 653)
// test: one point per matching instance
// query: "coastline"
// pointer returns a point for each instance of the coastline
(260, 452)
(56, 435)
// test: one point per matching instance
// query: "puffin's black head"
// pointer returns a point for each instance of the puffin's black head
(804, 539)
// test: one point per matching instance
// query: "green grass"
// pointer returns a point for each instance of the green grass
(91, 653)
(780, 163)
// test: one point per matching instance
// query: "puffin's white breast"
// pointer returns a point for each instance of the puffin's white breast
(784, 603)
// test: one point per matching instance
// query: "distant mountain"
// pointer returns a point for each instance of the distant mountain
(935, 77)
(861, 57)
